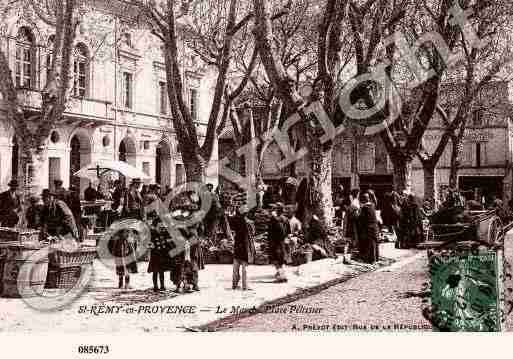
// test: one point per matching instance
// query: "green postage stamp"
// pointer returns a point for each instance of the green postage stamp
(466, 292)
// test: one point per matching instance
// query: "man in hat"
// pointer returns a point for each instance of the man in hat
(11, 205)
(243, 248)
(133, 203)
(56, 218)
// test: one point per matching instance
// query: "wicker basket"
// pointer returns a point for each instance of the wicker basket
(62, 278)
(62, 259)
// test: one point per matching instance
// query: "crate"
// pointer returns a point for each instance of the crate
(261, 258)
(63, 259)
(18, 235)
(62, 278)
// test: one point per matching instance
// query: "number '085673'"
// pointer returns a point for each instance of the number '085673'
(93, 349)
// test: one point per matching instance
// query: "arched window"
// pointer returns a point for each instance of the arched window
(24, 73)
(80, 71)
(49, 52)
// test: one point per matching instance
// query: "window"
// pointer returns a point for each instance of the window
(80, 71)
(24, 58)
(146, 168)
(49, 56)
(54, 137)
(163, 98)
(477, 119)
(478, 154)
(194, 104)
(128, 90)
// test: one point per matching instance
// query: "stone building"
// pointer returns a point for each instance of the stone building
(119, 108)
(485, 167)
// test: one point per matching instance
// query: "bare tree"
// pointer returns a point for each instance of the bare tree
(481, 65)
(262, 108)
(210, 29)
(64, 16)
(328, 61)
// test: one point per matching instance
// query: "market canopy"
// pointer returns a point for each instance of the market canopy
(98, 168)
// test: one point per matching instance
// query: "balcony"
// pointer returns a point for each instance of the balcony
(77, 108)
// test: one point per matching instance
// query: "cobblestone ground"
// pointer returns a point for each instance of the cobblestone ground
(390, 299)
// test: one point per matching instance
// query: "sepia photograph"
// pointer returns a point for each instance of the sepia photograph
(255, 166)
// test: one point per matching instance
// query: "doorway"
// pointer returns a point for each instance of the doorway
(180, 175)
(163, 164)
(481, 187)
(14, 158)
(127, 151)
(80, 155)
(54, 171)
(126, 154)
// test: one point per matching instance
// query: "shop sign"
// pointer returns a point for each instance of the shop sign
(472, 135)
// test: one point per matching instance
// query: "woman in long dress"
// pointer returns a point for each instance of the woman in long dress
(368, 233)
(391, 212)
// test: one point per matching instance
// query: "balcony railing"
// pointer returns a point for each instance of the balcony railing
(76, 107)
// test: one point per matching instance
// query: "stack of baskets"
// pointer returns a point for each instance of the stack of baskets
(65, 267)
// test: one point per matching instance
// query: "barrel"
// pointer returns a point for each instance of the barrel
(18, 255)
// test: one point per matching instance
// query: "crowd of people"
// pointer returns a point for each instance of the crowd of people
(403, 216)
(58, 212)
(54, 213)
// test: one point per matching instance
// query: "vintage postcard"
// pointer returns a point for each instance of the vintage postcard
(294, 166)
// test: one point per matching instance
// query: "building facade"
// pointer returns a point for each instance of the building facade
(485, 166)
(119, 108)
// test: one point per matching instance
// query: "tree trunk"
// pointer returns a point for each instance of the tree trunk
(29, 170)
(320, 166)
(430, 185)
(455, 163)
(195, 168)
(320, 179)
(402, 173)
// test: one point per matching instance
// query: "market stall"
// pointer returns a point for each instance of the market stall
(98, 213)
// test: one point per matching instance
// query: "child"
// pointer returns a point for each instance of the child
(123, 247)
(192, 258)
(160, 260)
